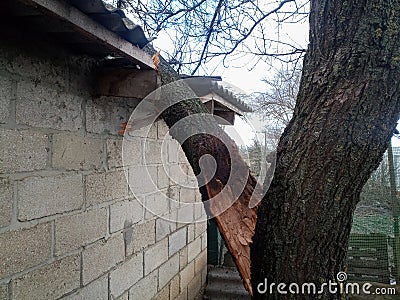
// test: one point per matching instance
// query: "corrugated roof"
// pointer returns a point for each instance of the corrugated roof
(86, 26)
(113, 19)
(203, 85)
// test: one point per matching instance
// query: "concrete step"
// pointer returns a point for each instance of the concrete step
(224, 283)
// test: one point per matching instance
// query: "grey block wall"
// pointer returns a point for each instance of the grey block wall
(70, 227)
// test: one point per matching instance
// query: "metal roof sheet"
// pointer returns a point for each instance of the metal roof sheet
(113, 19)
(203, 85)
(87, 26)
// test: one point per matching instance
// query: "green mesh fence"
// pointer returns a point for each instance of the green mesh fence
(373, 254)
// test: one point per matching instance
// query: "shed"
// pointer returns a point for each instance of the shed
(218, 99)
(70, 226)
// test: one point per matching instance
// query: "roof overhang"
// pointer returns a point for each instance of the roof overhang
(219, 101)
(61, 21)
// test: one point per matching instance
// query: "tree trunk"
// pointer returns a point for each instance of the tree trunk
(344, 117)
(227, 192)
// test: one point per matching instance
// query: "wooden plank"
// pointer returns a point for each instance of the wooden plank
(373, 238)
(127, 83)
(368, 263)
(367, 258)
(221, 101)
(365, 271)
(365, 278)
(365, 253)
(368, 245)
(228, 116)
(84, 25)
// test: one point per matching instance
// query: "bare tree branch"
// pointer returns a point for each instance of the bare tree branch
(220, 32)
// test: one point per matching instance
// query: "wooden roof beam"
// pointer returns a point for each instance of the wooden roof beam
(127, 83)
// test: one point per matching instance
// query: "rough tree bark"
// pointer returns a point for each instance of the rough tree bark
(232, 186)
(344, 117)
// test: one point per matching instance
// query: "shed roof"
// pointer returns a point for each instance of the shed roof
(204, 85)
(91, 26)
(113, 19)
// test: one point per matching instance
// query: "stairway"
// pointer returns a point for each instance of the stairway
(224, 283)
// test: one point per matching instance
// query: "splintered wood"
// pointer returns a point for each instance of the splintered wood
(237, 223)
(156, 59)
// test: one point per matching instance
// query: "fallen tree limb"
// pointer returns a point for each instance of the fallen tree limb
(228, 191)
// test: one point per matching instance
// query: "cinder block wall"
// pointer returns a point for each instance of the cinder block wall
(70, 227)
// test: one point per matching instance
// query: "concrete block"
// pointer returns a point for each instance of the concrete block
(146, 288)
(198, 195)
(194, 287)
(78, 230)
(98, 290)
(191, 232)
(163, 294)
(163, 176)
(52, 109)
(143, 180)
(182, 295)
(45, 196)
(6, 195)
(164, 228)
(126, 275)
(124, 296)
(101, 257)
(106, 114)
(152, 153)
(73, 152)
(182, 156)
(173, 150)
(156, 205)
(186, 275)
(124, 214)
(23, 150)
(103, 187)
(203, 241)
(185, 214)
(194, 249)
(82, 74)
(148, 132)
(24, 248)
(187, 195)
(37, 63)
(199, 211)
(127, 152)
(155, 256)
(167, 271)
(114, 153)
(116, 185)
(139, 237)
(204, 274)
(183, 258)
(162, 130)
(200, 228)
(200, 262)
(178, 175)
(5, 97)
(50, 282)
(4, 292)
(174, 288)
(177, 241)
(173, 194)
